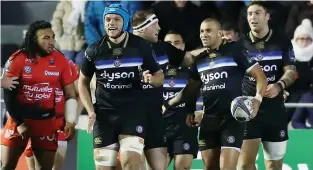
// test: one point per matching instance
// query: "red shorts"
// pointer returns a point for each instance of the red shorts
(43, 134)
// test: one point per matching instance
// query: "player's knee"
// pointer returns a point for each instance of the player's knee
(182, 166)
(210, 165)
(274, 150)
(105, 157)
(246, 166)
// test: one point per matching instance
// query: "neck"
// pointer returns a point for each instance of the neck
(217, 44)
(119, 39)
(262, 33)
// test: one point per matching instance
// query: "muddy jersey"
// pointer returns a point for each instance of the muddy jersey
(273, 53)
(221, 72)
(39, 79)
(117, 68)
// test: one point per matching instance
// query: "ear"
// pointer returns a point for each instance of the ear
(220, 33)
(268, 16)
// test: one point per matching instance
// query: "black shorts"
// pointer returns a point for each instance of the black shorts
(155, 137)
(112, 123)
(181, 139)
(270, 124)
(220, 132)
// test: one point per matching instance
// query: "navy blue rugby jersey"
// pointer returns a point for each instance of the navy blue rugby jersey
(117, 69)
(273, 53)
(221, 73)
(165, 54)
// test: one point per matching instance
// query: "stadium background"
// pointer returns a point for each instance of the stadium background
(15, 18)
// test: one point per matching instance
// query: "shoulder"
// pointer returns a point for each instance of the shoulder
(94, 49)
(233, 46)
(17, 56)
(135, 40)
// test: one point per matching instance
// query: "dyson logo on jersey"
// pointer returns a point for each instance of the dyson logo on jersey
(206, 78)
(37, 91)
(117, 75)
(267, 68)
(50, 73)
(170, 95)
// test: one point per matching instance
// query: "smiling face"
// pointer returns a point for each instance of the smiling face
(113, 25)
(210, 32)
(257, 17)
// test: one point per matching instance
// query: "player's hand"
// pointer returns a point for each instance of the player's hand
(285, 95)
(91, 122)
(69, 130)
(9, 82)
(190, 120)
(255, 107)
(198, 117)
(272, 90)
(147, 77)
(22, 130)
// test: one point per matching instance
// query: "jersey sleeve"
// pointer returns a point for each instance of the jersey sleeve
(175, 55)
(288, 54)
(88, 66)
(194, 74)
(243, 58)
(13, 67)
(69, 74)
(149, 58)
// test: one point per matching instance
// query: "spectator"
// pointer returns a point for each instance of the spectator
(303, 49)
(185, 17)
(94, 27)
(67, 24)
(303, 117)
(230, 31)
(298, 12)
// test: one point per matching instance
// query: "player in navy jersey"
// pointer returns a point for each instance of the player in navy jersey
(145, 25)
(182, 143)
(118, 118)
(274, 52)
(219, 72)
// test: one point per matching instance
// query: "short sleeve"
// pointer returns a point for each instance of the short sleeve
(243, 58)
(149, 57)
(288, 54)
(13, 67)
(194, 74)
(70, 73)
(88, 66)
(175, 55)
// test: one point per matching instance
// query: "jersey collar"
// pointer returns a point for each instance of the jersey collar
(256, 39)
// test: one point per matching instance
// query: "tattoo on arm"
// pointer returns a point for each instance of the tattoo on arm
(289, 76)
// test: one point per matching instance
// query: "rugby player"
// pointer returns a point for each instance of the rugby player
(62, 137)
(219, 72)
(182, 142)
(40, 70)
(145, 24)
(274, 52)
(119, 114)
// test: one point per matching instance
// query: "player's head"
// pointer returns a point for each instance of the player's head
(230, 31)
(210, 32)
(257, 16)
(39, 39)
(176, 39)
(116, 19)
(146, 25)
(303, 35)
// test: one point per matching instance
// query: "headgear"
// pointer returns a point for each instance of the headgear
(118, 9)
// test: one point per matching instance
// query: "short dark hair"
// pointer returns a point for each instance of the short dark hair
(259, 3)
(218, 23)
(30, 46)
(228, 26)
(140, 16)
(175, 32)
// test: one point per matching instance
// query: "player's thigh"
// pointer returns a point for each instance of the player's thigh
(249, 151)
(131, 150)
(183, 161)
(60, 155)
(274, 153)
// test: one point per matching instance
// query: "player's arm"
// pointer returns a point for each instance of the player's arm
(153, 74)
(290, 71)
(86, 74)
(253, 68)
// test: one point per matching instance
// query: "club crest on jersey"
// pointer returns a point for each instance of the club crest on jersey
(259, 56)
(172, 72)
(259, 45)
(212, 55)
(27, 69)
(171, 83)
(117, 63)
(117, 52)
(211, 64)
(51, 61)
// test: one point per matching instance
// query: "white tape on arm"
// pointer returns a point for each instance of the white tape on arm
(258, 97)
(71, 110)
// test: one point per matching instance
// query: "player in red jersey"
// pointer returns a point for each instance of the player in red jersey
(60, 124)
(40, 69)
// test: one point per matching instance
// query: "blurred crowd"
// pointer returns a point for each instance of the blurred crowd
(78, 24)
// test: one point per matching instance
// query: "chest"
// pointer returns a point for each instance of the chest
(45, 70)
(175, 78)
